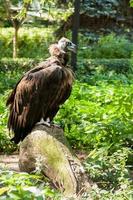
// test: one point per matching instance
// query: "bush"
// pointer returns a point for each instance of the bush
(104, 65)
(5, 144)
(19, 64)
(98, 115)
(110, 174)
(110, 46)
(108, 170)
(11, 71)
(32, 42)
(15, 185)
(85, 67)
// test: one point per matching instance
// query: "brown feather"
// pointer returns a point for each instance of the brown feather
(39, 94)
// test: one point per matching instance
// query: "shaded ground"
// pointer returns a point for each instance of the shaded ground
(9, 162)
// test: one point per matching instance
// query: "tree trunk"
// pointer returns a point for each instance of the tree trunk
(47, 150)
(15, 42)
(75, 28)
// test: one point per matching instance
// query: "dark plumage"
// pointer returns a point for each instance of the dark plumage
(41, 91)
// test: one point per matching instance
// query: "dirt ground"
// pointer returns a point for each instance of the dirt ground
(9, 162)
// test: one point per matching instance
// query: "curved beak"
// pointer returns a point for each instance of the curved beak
(72, 48)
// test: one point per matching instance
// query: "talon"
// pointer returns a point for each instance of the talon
(42, 122)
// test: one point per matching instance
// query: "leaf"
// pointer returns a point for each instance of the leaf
(131, 3)
(3, 190)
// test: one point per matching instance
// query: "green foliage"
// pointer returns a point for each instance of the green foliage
(24, 186)
(131, 3)
(110, 173)
(110, 46)
(36, 10)
(107, 170)
(101, 114)
(17, 65)
(33, 43)
(90, 66)
(85, 68)
(12, 70)
(5, 144)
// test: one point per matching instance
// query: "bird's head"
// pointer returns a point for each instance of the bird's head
(66, 45)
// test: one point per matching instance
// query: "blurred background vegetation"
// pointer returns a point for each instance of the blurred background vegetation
(98, 117)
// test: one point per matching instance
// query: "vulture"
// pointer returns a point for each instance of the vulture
(38, 95)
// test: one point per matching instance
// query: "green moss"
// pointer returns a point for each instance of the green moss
(53, 150)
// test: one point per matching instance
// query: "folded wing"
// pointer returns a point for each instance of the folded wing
(38, 92)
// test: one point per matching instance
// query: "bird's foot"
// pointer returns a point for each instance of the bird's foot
(42, 122)
(49, 123)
